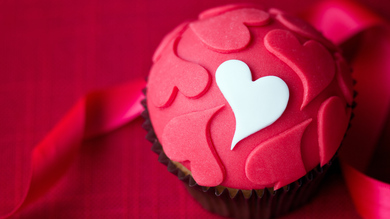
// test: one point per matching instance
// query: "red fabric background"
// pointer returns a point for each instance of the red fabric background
(51, 54)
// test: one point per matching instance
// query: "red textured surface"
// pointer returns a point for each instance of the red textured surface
(51, 54)
(264, 166)
(331, 131)
(232, 36)
(303, 28)
(176, 75)
(182, 143)
(344, 79)
(171, 36)
(304, 65)
(311, 61)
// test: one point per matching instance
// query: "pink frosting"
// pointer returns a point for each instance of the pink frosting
(187, 138)
(173, 74)
(196, 124)
(331, 132)
(232, 37)
(265, 167)
(284, 45)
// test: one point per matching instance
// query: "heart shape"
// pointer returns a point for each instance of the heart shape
(255, 104)
(228, 32)
(171, 75)
(333, 122)
(276, 163)
(312, 62)
(194, 145)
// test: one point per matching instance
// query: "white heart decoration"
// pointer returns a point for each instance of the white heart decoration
(255, 104)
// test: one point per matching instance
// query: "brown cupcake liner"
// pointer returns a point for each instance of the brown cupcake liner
(265, 203)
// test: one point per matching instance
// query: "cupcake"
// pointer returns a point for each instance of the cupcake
(248, 107)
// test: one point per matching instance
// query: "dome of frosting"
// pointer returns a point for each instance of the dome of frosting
(248, 98)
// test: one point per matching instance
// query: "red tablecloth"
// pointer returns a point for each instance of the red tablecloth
(54, 52)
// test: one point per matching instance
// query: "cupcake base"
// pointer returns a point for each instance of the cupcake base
(267, 204)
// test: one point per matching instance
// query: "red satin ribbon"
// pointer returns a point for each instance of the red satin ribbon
(97, 113)
(343, 21)
(100, 112)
